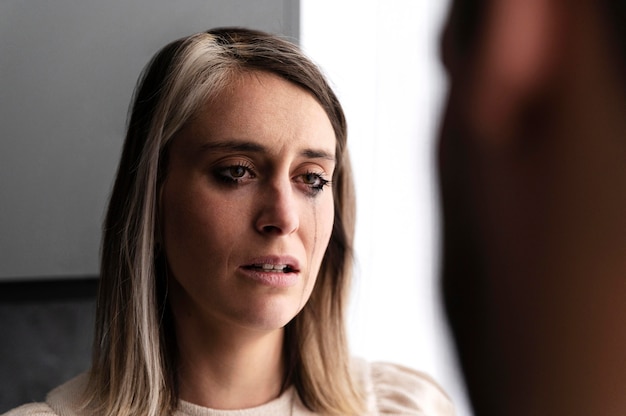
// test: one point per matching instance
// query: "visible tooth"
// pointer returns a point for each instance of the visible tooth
(271, 266)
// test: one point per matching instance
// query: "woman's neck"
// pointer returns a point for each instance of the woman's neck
(229, 367)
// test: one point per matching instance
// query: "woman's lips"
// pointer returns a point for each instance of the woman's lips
(273, 271)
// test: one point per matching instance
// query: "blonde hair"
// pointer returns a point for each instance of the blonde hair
(134, 360)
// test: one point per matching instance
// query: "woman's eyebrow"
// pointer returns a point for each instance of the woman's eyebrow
(233, 146)
(245, 146)
(318, 154)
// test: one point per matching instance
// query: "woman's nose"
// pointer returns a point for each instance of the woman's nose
(278, 213)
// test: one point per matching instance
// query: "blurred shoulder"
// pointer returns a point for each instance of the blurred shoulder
(32, 409)
(396, 389)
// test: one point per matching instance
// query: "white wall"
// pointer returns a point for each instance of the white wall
(382, 57)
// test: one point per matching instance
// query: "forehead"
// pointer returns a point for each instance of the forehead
(261, 106)
(264, 94)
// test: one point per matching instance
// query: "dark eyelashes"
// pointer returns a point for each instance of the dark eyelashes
(320, 181)
(238, 173)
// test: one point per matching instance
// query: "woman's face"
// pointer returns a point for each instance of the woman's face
(246, 208)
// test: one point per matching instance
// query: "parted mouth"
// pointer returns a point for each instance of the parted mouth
(266, 267)
(273, 264)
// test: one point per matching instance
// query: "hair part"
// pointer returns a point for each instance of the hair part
(134, 359)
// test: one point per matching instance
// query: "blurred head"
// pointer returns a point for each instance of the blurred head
(186, 83)
(532, 163)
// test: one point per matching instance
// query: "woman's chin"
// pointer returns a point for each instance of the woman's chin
(268, 317)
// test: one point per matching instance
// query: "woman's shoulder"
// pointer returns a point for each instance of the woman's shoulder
(396, 389)
(63, 400)
(32, 409)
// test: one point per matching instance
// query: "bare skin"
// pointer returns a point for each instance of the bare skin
(223, 371)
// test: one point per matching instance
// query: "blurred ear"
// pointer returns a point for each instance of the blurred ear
(515, 57)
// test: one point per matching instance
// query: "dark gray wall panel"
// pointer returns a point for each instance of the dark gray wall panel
(46, 335)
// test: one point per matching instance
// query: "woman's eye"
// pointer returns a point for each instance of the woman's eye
(234, 174)
(237, 171)
(314, 181)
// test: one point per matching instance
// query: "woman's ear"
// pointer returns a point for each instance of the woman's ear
(515, 56)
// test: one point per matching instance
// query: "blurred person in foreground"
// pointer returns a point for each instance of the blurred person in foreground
(532, 171)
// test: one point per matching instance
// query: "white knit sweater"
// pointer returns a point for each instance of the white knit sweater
(391, 389)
